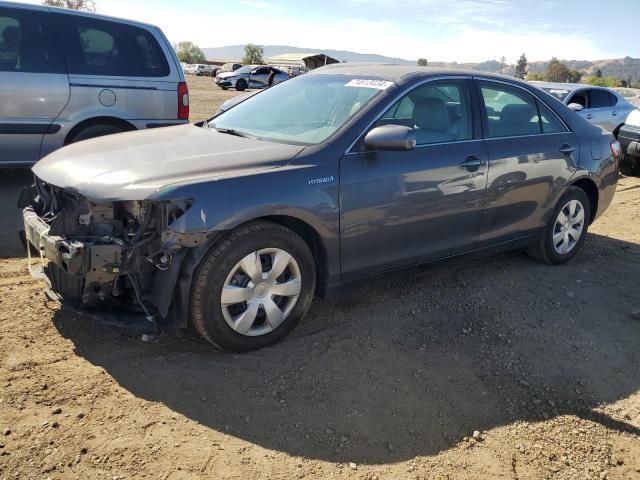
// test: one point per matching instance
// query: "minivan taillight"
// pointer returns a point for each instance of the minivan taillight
(183, 101)
(616, 150)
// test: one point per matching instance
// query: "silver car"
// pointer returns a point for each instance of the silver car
(601, 106)
(67, 76)
(250, 76)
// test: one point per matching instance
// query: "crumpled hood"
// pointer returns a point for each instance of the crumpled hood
(134, 165)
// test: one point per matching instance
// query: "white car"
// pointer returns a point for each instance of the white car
(250, 76)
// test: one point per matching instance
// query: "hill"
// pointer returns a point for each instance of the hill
(236, 52)
(622, 68)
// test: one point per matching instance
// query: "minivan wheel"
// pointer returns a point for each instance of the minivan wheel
(95, 131)
(241, 85)
(565, 233)
(253, 287)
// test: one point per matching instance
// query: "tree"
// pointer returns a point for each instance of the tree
(422, 62)
(502, 60)
(557, 71)
(253, 54)
(86, 5)
(598, 73)
(535, 76)
(521, 66)
(609, 81)
(574, 76)
(189, 52)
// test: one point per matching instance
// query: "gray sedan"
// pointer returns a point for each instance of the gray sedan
(601, 106)
(339, 174)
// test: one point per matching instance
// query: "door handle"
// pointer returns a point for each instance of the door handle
(589, 116)
(614, 113)
(472, 163)
(567, 149)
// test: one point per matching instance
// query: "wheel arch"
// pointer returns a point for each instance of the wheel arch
(591, 189)
(103, 120)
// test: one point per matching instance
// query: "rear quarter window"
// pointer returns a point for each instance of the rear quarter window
(104, 48)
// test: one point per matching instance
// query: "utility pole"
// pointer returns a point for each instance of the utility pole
(502, 60)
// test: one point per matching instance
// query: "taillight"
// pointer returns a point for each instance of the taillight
(183, 101)
(616, 150)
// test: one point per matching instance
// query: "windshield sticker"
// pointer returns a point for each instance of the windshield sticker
(362, 83)
(553, 90)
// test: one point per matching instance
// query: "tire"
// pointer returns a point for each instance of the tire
(224, 88)
(628, 168)
(95, 131)
(241, 85)
(544, 250)
(230, 326)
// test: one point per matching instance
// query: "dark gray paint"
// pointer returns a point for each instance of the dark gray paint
(372, 211)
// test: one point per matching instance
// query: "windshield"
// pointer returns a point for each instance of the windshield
(559, 93)
(306, 110)
(245, 69)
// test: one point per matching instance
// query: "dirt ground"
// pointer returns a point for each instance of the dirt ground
(390, 380)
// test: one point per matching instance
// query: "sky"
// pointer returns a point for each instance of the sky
(439, 30)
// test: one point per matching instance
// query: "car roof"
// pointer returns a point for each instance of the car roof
(567, 86)
(397, 73)
(66, 11)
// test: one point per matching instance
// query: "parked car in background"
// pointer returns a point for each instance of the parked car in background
(339, 174)
(629, 138)
(250, 76)
(67, 76)
(230, 67)
(601, 106)
(206, 70)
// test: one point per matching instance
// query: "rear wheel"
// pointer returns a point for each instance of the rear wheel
(253, 288)
(95, 131)
(241, 85)
(565, 233)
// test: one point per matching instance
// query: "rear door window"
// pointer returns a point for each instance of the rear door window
(601, 99)
(104, 48)
(26, 44)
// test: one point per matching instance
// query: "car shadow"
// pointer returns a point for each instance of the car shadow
(12, 181)
(408, 363)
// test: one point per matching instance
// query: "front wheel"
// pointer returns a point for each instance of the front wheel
(253, 287)
(241, 85)
(565, 233)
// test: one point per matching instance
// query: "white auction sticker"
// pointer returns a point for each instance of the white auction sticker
(362, 83)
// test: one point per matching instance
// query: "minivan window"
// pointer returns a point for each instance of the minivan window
(437, 112)
(99, 47)
(25, 45)
(509, 111)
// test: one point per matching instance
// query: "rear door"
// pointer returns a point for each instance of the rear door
(602, 108)
(532, 154)
(34, 87)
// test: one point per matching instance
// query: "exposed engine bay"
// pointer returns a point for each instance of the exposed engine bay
(103, 254)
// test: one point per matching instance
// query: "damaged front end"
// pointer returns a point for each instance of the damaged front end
(104, 254)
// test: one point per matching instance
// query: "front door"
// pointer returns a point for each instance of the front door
(34, 86)
(404, 207)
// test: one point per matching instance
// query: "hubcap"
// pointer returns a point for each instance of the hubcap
(261, 291)
(568, 227)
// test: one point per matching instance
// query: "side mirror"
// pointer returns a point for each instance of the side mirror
(576, 107)
(390, 137)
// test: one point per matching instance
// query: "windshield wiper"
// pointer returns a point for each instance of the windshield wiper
(231, 131)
